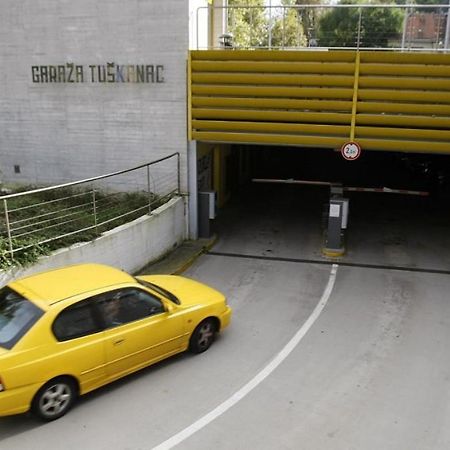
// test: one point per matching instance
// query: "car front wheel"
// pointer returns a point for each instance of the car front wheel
(54, 399)
(203, 336)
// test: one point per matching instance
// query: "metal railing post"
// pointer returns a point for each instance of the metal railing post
(405, 26)
(178, 174)
(94, 208)
(358, 42)
(149, 194)
(447, 29)
(8, 228)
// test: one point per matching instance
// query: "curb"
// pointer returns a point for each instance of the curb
(192, 259)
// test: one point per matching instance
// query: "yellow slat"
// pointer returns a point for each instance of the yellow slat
(404, 146)
(273, 91)
(272, 79)
(404, 58)
(414, 70)
(406, 96)
(403, 108)
(404, 133)
(272, 103)
(270, 55)
(279, 139)
(322, 141)
(434, 84)
(270, 127)
(274, 67)
(403, 121)
(268, 116)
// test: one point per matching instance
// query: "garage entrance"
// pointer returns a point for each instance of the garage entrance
(259, 200)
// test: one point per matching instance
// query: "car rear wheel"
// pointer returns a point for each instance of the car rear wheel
(54, 399)
(203, 336)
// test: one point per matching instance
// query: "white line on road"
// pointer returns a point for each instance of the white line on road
(259, 377)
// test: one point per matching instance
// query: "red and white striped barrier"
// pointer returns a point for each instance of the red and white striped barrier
(386, 190)
(383, 190)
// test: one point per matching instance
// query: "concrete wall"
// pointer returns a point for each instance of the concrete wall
(129, 247)
(63, 131)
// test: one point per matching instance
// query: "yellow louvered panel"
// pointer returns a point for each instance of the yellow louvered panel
(385, 100)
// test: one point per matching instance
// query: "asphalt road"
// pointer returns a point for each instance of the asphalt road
(350, 356)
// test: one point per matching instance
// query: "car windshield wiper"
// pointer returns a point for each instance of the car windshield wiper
(160, 290)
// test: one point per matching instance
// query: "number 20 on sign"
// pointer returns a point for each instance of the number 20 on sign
(351, 150)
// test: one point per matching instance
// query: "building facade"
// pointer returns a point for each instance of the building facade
(91, 87)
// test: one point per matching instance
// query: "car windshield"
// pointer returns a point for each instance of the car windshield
(17, 316)
(160, 290)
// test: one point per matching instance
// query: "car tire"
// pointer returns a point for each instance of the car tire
(203, 336)
(54, 399)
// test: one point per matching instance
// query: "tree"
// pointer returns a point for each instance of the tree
(339, 26)
(249, 26)
(255, 26)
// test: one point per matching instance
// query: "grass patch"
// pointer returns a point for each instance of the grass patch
(43, 222)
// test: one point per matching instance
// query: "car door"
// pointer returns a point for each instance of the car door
(139, 330)
(81, 345)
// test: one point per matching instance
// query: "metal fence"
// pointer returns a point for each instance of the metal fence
(82, 210)
(342, 26)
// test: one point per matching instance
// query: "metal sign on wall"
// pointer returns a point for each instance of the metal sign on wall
(98, 73)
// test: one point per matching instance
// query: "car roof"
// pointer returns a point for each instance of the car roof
(58, 284)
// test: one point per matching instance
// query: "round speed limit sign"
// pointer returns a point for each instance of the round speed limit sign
(351, 151)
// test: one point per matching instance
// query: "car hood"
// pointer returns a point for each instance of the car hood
(189, 292)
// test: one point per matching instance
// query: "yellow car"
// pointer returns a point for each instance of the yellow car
(68, 331)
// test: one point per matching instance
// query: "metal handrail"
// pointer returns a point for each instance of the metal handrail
(87, 180)
(42, 224)
(407, 8)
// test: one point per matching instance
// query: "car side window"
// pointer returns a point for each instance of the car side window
(76, 321)
(127, 305)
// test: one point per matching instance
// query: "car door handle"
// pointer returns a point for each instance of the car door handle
(119, 341)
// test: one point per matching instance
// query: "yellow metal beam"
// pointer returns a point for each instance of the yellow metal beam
(277, 139)
(270, 55)
(413, 96)
(404, 121)
(272, 79)
(271, 127)
(355, 97)
(404, 108)
(271, 116)
(411, 70)
(273, 91)
(404, 133)
(398, 58)
(403, 83)
(272, 103)
(313, 67)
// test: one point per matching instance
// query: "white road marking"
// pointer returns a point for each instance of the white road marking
(259, 377)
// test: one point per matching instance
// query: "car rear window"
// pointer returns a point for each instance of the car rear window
(17, 316)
